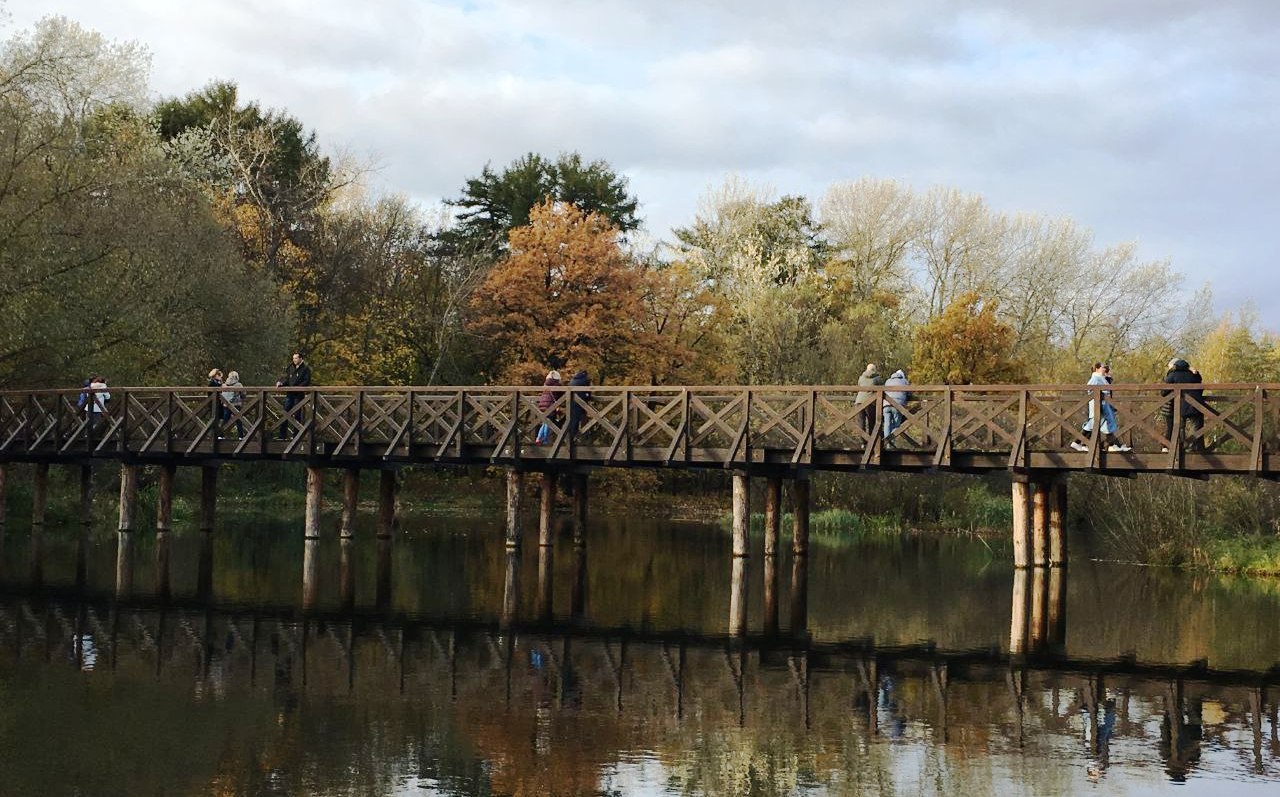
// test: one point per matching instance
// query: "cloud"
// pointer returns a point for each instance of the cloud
(1151, 119)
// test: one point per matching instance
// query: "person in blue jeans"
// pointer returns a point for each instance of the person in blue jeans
(1100, 377)
(894, 401)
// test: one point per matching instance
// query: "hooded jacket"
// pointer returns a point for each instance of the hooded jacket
(549, 396)
(869, 377)
(898, 379)
(1181, 374)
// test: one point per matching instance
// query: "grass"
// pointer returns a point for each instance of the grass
(1253, 556)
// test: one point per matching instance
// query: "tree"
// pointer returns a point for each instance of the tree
(494, 204)
(566, 295)
(966, 345)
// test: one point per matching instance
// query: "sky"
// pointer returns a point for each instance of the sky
(1153, 121)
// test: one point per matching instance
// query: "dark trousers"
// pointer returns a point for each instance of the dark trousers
(291, 400)
(226, 416)
(1194, 420)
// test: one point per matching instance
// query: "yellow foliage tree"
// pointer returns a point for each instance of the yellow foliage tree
(967, 344)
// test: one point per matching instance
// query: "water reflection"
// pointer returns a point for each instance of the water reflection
(898, 667)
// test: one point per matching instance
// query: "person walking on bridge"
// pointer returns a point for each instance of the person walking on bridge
(1181, 373)
(546, 400)
(894, 401)
(98, 398)
(577, 401)
(1100, 378)
(296, 374)
(870, 378)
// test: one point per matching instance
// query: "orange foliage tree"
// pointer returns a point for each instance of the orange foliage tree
(566, 296)
(967, 344)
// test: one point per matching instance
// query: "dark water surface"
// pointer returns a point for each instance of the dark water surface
(438, 664)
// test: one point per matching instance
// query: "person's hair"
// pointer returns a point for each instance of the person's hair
(233, 375)
(1097, 365)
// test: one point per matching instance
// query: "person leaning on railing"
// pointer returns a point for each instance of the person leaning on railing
(296, 374)
(1181, 373)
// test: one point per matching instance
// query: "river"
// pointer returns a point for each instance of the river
(439, 664)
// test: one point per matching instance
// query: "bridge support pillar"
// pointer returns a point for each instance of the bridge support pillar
(741, 513)
(738, 597)
(1058, 524)
(547, 509)
(1021, 524)
(208, 496)
(578, 595)
(204, 569)
(386, 503)
(546, 566)
(579, 509)
(128, 495)
(772, 514)
(163, 549)
(164, 498)
(1020, 608)
(350, 499)
(799, 595)
(770, 620)
(382, 574)
(40, 495)
(800, 517)
(515, 497)
(124, 563)
(310, 570)
(315, 491)
(511, 589)
(86, 495)
(346, 576)
(1040, 502)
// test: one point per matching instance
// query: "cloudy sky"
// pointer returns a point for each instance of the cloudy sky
(1147, 120)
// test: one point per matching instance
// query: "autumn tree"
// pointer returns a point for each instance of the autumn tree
(495, 203)
(566, 295)
(966, 345)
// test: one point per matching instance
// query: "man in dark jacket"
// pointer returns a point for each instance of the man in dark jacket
(1181, 373)
(296, 374)
(577, 401)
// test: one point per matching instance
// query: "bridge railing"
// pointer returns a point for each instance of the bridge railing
(1224, 427)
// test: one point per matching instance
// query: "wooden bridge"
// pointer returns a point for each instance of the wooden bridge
(1036, 433)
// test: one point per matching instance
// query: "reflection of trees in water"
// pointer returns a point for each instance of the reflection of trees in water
(358, 704)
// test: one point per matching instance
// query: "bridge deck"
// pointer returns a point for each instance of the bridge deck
(1230, 428)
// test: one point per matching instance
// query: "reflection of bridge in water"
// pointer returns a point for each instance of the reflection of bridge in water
(754, 679)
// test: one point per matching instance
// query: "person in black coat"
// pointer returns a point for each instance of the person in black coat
(577, 400)
(1181, 373)
(296, 374)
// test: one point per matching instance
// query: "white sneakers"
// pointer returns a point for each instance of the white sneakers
(1078, 446)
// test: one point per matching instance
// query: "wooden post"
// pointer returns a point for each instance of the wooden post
(208, 496)
(770, 594)
(310, 564)
(738, 595)
(346, 576)
(386, 503)
(163, 547)
(164, 498)
(350, 499)
(1057, 607)
(547, 509)
(800, 517)
(124, 564)
(86, 495)
(772, 514)
(1021, 524)
(1040, 503)
(799, 595)
(1018, 618)
(545, 567)
(741, 513)
(40, 497)
(128, 495)
(511, 587)
(315, 490)
(1058, 524)
(515, 493)
(579, 509)
(1039, 625)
